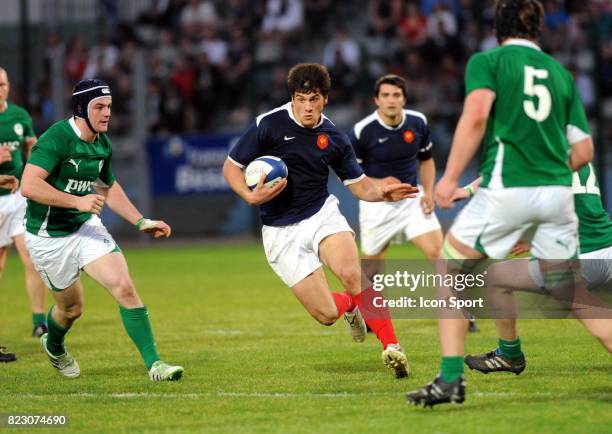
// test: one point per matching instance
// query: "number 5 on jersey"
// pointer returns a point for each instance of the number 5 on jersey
(539, 91)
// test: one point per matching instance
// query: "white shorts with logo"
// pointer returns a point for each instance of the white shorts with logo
(382, 222)
(293, 250)
(12, 212)
(59, 260)
(494, 220)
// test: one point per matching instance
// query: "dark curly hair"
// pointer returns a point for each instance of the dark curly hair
(309, 77)
(518, 19)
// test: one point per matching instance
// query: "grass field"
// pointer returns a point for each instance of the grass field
(256, 362)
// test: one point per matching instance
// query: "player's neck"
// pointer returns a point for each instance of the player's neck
(391, 121)
(85, 133)
(3, 106)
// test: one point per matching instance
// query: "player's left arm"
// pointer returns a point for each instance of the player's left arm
(30, 142)
(427, 175)
(363, 187)
(468, 135)
(370, 191)
(120, 203)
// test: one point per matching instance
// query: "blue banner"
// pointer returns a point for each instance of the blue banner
(190, 164)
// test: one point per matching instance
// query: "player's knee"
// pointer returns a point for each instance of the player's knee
(433, 251)
(72, 312)
(350, 276)
(125, 291)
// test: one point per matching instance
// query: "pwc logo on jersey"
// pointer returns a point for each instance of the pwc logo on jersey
(78, 186)
(322, 141)
(408, 136)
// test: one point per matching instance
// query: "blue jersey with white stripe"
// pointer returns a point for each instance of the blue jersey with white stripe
(384, 151)
(308, 154)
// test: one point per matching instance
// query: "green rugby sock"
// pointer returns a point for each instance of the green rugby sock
(451, 368)
(38, 319)
(138, 327)
(55, 336)
(511, 349)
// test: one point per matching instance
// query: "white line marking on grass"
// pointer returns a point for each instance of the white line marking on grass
(295, 395)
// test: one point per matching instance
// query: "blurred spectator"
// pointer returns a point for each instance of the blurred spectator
(198, 13)
(284, 16)
(344, 78)
(205, 92)
(76, 60)
(317, 13)
(555, 15)
(441, 18)
(384, 17)
(172, 113)
(102, 58)
(214, 47)
(183, 77)
(413, 26)
(344, 46)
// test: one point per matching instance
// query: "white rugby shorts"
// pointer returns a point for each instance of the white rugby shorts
(494, 220)
(382, 222)
(293, 250)
(12, 212)
(59, 260)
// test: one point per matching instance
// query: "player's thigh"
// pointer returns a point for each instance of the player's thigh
(339, 252)
(111, 271)
(313, 292)
(556, 235)
(430, 243)
(520, 274)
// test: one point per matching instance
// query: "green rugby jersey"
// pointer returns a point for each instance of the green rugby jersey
(74, 166)
(536, 115)
(594, 225)
(15, 128)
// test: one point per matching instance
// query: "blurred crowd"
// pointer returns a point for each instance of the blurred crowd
(213, 64)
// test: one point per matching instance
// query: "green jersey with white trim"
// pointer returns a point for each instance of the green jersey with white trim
(74, 167)
(594, 225)
(15, 128)
(536, 116)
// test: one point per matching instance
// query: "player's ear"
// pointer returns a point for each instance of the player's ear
(325, 100)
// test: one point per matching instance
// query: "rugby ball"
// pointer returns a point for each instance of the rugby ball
(274, 168)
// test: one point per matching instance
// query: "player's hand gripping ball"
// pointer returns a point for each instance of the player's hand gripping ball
(273, 167)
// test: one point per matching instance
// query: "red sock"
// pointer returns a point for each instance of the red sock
(344, 302)
(377, 318)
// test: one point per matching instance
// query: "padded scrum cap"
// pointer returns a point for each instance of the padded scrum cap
(84, 93)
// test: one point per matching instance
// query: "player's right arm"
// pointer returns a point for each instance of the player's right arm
(577, 130)
(35, 187)
(245, 150)
(259, 195)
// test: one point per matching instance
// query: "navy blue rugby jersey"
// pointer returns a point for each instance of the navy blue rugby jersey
(308, 154)
(392, 151)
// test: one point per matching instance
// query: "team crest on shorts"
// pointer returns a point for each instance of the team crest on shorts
(18, 129)
(322, 141)
(408, 136)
